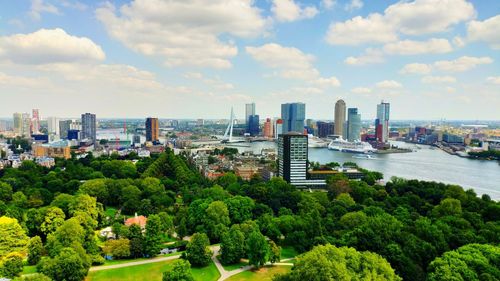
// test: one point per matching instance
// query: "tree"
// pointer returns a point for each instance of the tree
(197, 252)
(275, 252)
(216, 219)
(136, 241)
(12, 265)
(469, 262)
(448, 207)
(257, 249)
(327, 262)
(54, 218)
(180, 271)
(240, 208)
(12, 236)
(232, 246)
(35, 250)
(5, 192)
(152, 238)
(118, 249)
(95, 188)
(68, 265)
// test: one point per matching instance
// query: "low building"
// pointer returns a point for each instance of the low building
(246, 172)
(324, 174)
(47, 162)
(54, 150)
(139, 220)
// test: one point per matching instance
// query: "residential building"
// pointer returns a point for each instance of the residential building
(324, 129)
(278, 128)
(293, 116)
(89, 125)
(339, 118)
(353, 124)
(268, 128)
(53, 125)
(152, 130)
(35, 122)
(382, 122)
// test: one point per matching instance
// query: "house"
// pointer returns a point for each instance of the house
(107, 233)
(139, 220)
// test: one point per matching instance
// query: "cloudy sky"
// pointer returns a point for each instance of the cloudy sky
(430, 59)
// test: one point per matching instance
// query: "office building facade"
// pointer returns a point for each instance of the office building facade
(253, 125)
(324, 129)
(152, 129)
(382, 122)
(89, 128)
(53, 125)
(249, 111)
(293, 116)
(339, 118)
(35, 122)
(268, 128)
(353, 124)
(292, 157)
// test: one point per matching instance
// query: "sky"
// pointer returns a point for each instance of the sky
(431, 59)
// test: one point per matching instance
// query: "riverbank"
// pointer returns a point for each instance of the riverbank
(393, 150)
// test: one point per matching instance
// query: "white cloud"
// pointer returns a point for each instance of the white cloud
(328, 4)
(49, 46)
(361, 90)
(428, 16)
(359, 30)
(486, 31)
(493, 80)
(461, 64)
(38, 7)
(410, 47)
(416, 68)
(328, 82)
(458, 41)
(438, 79)
(354, 5)
(183, 32)
(370, 56)
(388, 84)
(216, 82)
(418, 17)
(288, 11)
(21, 82)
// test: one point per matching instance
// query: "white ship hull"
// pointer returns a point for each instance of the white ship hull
(351, 147)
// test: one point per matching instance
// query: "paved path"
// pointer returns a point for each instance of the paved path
(160, 259)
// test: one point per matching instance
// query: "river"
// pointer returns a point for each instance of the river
(426, 163)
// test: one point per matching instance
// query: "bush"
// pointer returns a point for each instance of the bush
(12, 265)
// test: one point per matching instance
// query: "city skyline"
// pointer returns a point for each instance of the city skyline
(267, 52)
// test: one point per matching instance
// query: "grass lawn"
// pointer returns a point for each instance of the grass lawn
(113, 262)
(288, 252)
(264, 274)
(149, 272)
(28, 269)
(234, 266)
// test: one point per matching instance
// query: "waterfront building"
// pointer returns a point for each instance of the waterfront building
(324, 128)
(278, 128)
(253, 125)
(292, 157)
(268, 128)
(89, 128)
(293, 115)
(249, 111)
(353, 124)
(382, 122)
(339, 118)
(152, 130)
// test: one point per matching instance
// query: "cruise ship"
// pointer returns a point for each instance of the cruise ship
(339, 144)
(315, 142)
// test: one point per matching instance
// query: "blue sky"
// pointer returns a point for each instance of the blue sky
(431, 59)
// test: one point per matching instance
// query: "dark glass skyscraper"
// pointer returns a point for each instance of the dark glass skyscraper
(353, 124)
(293, 115)
(89, 127)
(152, 129)
(253, 125)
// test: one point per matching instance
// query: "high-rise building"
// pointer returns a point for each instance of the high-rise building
(26, 127)
(278, 128)
(53, 125)
(339, 118)
(253, 125)
(18, 123)
(64, 127)
(268, 128)
(249, 111)
(35, 122)
(353, 124)
(293, 115)
(89, 125)
(292, 157)
(382, 122)
(324, 129)
(152, 129)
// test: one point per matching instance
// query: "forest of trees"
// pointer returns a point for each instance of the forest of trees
(407, 229)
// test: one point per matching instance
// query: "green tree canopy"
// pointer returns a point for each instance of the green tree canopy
(257, 249)
(12, 236)
(180, 271)
(197, 252)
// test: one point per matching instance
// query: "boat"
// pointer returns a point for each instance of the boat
(315, 142)
(363, 156)
(339, 144)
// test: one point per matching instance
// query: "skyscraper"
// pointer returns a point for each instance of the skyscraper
(353, 124)
(53, 125)
(292, 157)
(152, 129)
(278, 128)
(89, 127)
(249, 110)
(26, 125)
(253, 125)
(18, 123)
(268, 128)
(339, 118)
(64, 127)
(35, 122)
(324, 129)
(382, 122)
(293, 115)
